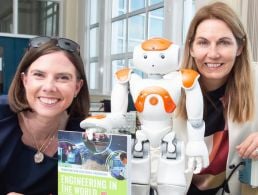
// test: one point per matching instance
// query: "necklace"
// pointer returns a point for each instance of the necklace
(39, 156)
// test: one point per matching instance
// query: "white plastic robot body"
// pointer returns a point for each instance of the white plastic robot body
(155, 120)
(155, 98)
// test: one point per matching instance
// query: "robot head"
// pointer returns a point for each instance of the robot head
(156, 56)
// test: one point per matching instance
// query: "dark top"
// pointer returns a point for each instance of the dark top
(18, 171)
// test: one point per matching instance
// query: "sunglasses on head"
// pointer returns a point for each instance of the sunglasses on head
(63, 43)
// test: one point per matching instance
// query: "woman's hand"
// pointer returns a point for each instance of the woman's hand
(249, 147)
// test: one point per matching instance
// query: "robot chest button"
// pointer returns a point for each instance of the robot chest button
(153, 101)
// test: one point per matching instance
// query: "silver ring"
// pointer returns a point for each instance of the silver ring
(256, 151)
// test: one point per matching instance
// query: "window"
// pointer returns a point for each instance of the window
(6, 16)
(132, 22)
(155, 26)
(252, 27)
(115, 27)
(34, 17)
(94, 69)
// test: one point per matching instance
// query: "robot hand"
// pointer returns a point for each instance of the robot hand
(198, 156)
(141, 138)
(96, 124)
(97, 121)
(104, 122)
(196, 149)
(169, 140)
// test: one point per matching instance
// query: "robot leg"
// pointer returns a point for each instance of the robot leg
(140, 167)
(171, 177)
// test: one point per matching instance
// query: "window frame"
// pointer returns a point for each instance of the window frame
(16, 15)
(173, 17)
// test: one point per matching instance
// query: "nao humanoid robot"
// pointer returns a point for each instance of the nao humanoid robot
(158, 157)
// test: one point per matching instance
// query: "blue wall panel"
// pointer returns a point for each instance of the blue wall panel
(13, 50)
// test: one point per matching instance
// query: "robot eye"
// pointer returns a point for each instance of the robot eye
(162, 56)
(145, 56)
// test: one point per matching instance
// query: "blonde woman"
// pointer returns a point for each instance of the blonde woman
(217, 48)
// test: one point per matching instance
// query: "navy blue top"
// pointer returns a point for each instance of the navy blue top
(18, 171)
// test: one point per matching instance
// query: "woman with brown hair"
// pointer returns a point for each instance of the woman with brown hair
(49, 92)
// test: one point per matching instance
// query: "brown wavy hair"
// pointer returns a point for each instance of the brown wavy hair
(240, 82)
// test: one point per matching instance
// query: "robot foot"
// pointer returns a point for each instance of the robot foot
(139, 189)
(171, 190)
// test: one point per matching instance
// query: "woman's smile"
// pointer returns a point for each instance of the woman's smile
(49, 100)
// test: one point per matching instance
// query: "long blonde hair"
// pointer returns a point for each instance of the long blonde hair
(239, 94)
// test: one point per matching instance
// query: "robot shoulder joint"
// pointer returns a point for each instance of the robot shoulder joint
(123, 75)
(189, 78)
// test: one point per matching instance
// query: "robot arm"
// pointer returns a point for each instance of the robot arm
(196, 148)
(119, 95)
(119, 103)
